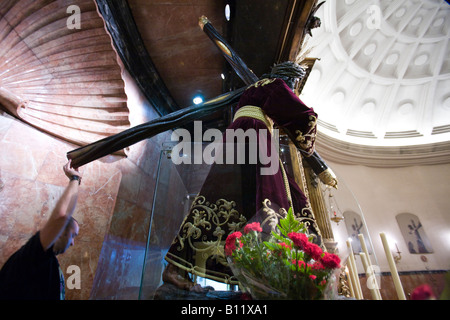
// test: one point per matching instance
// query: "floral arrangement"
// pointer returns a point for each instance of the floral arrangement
(287, 266)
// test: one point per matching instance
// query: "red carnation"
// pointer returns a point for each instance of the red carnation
(299, 239)
(317, 265)
(423, 292)
(313, 250)
(255, 226)
(230, 242)
(301, 264)
(330, 261)
(285, 245)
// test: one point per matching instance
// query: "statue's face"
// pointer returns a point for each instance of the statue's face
(292, 83)
(296, 82)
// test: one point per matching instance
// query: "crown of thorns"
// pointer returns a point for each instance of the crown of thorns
(287, 69)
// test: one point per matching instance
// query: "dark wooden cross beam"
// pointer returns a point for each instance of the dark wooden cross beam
(114, 143)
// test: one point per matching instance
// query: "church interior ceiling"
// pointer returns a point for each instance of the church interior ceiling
(379, 82)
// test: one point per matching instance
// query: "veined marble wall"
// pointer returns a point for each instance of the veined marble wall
(114, 205)
(32, 180)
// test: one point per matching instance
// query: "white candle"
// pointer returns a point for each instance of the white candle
(352, 274)
(369, 264)
(364, 247)
(351, 259)
(353, 280)
(394, 273)
(350, 282)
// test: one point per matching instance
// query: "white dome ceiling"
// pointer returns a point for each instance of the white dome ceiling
(383, 74)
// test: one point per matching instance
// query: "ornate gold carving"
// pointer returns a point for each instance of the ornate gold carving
(297, 167)
(318, 204)
(343, 288)
(207, 216)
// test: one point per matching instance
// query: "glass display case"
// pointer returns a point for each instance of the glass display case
(177, 186)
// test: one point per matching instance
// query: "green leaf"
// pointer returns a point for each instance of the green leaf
(278, 237)
(290, 224)
(270, 245)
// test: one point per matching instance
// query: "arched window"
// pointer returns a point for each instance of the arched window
(355, 226)
(414, 233)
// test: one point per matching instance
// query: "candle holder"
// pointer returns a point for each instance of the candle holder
(336, 218)
(336, 214)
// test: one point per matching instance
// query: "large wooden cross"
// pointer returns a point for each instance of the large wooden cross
(114, 143)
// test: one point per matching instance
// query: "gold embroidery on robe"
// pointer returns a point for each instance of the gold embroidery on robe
(218, 214)
(306, 141)
(305, 216)
(262, 83)
(207, 216)
(271, 217)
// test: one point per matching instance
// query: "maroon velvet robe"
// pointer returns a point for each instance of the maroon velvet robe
(235, 194)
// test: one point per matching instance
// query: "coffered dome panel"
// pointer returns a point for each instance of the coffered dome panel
(382, 74)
